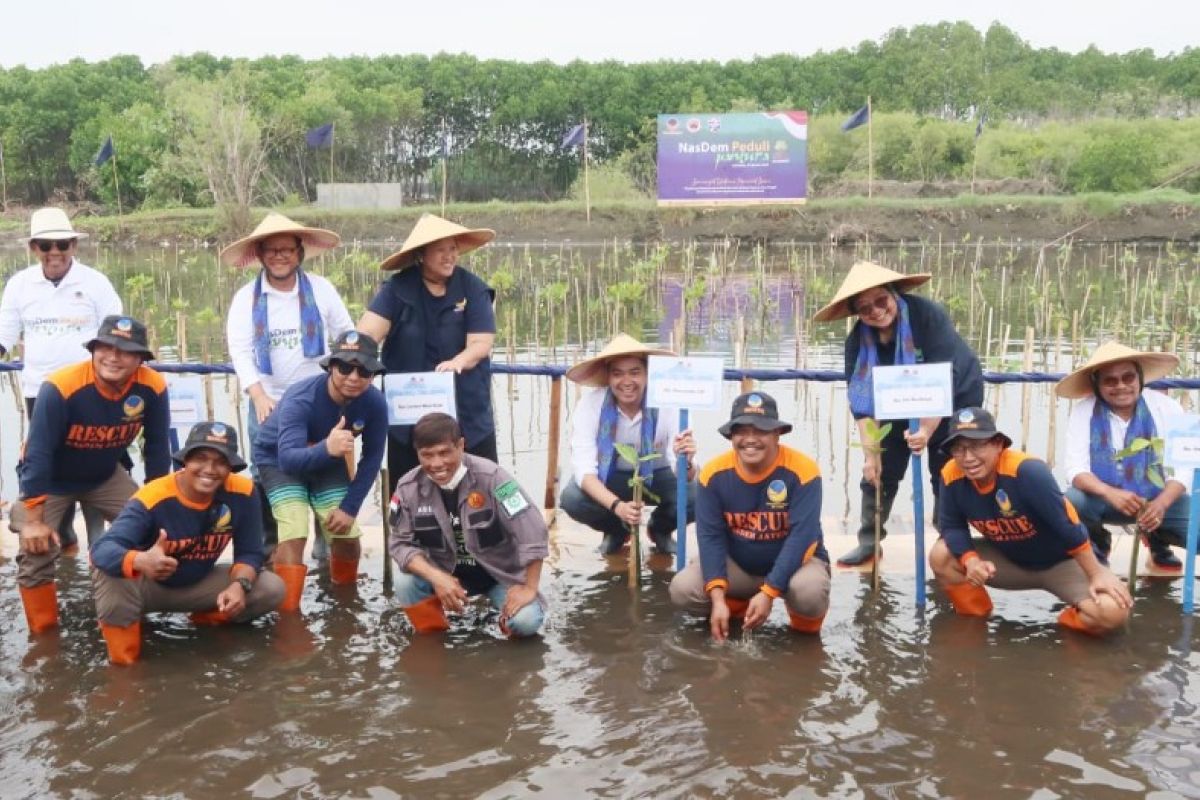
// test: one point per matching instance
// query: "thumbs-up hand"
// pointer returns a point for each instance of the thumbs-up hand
(155, 563)
(340, 440)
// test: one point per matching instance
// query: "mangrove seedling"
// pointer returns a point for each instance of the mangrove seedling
(640, 491)
(872, 446)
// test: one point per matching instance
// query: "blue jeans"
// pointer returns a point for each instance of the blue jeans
(583, 509)
(1094, 510)
(411, 590)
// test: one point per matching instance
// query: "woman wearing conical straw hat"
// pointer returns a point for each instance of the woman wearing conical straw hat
(435, 315)
(613, 413)
(894, 327)
(1115, 409)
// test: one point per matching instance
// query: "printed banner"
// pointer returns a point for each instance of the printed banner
(712, 159)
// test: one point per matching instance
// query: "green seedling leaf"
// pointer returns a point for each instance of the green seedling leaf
(627, 452)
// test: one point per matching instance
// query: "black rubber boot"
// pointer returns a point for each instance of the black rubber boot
(864, 553)
(1101, 540)
(1161, 555)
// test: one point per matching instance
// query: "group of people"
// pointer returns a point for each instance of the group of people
(460, 524)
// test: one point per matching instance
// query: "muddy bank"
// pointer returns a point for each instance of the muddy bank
(889, 219)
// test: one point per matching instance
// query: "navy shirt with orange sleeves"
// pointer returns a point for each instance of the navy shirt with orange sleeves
(79, 431)
(196, 534)
(1022, 513)
(293, 437)
(769, 524)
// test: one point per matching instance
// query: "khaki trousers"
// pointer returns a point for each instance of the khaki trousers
(108, 498)
(122, 601)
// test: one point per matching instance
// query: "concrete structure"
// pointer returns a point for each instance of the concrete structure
(377, 196)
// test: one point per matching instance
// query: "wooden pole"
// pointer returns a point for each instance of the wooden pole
(870, 149)
(550, 501)
(587, 190)
(384, 508)
(116, 186)
(3, 177)
(1027, 366)
(445, 153)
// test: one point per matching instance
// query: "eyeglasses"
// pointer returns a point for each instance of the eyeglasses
(62, 245)
(880, 303)
(280, 252)
(1113, 381)
(345, 369)
(972, 446)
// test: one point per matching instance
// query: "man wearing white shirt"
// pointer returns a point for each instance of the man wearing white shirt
(54, 308)
(599, 494)
(1115, 410)
(281, 322)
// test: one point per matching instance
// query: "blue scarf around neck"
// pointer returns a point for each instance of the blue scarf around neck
(312, 329)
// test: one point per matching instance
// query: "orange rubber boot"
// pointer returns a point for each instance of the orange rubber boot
(343, 570)
(1070, 618)
(293, 584)
(124, 644)
(427, 616)
(968, 600)
(737, 606)
(805, 624)
(41, 606)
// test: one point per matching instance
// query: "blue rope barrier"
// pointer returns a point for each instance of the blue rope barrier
(814, 375)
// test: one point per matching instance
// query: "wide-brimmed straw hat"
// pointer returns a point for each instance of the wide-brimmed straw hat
(244, 252)
(431, 228)
(865, 275)
(51, 224)
(1079, 383)
(594, 371)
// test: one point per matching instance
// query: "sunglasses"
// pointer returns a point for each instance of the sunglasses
(62, 245)
(345, 369)
(1113, 381)
(973, 446)
(880, 303)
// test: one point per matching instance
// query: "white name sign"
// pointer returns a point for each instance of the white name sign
(412, 395)
(692, 383)
(1182, 450)
(913, 391)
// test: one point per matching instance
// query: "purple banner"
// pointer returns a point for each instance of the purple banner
(712, 159)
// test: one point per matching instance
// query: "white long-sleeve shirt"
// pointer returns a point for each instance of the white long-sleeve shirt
(1163, 410)
(288, 364)
(585, 457)
(53, 322)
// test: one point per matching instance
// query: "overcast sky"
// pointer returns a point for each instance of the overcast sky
(39, 33)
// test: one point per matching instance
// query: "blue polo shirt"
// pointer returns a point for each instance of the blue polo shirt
(769, 524)
(196, 534)
(79, 431)
(1022, 513)
(427, 330)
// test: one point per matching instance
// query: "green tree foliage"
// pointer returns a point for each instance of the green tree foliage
(1084, 121)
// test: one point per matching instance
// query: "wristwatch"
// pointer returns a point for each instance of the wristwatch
(245, 583)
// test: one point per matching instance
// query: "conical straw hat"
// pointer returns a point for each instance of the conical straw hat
(594, 371)
(244, 252)
(1079, 383)
(432, 228)
(865, 275)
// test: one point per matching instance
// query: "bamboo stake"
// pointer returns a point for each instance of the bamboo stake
(1027, 366)
(550, 500)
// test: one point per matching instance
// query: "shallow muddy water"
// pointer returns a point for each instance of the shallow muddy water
(622, 696)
